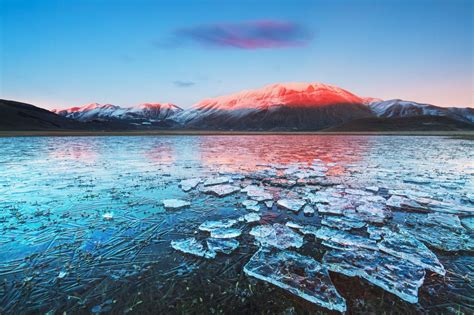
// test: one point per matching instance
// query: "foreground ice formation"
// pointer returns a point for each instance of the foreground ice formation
(257, 193)
(277, 235)
(300, 275)
(175, 204)
(193, 247)
(388, 272)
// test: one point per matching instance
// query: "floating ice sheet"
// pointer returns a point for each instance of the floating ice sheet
(175, 204)
(225, 246)
(340, 239)
(251, 217)
(277, 235)
(225, 233)
(342, 223)
(189, 184)
(257, 193)
(213, 225)
(390, 273)
(193, 247)
(217, 180)
(291, 204)
(220, 190)
(308, 210)
(427, 229)
(407, 247)
(300, 275)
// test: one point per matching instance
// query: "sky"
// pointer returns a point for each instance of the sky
(58, 54)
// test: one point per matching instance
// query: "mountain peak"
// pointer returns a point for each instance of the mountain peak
(289, 94)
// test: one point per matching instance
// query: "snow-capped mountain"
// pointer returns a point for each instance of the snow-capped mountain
(399, 108)
(108, 112)
(283, 106)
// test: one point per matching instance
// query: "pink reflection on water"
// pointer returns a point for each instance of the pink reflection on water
(246, 153)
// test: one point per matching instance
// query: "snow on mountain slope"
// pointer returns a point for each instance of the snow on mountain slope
(147, 111)
(399, 108)
(308, 106)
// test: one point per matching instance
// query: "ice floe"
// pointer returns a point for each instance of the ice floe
(300, 275)
(220, 190)
(175, 204)
(291, 204)
(277, 235)
(388, 272)
(193, 247)
(189, 184)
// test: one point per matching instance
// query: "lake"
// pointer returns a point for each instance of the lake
(84, 228)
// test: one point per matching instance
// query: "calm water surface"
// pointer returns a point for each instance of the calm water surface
(58, 253)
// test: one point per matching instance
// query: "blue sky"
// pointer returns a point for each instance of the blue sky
(59, 54)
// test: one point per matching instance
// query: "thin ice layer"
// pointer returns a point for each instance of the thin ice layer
(390, 273)
(300, 275)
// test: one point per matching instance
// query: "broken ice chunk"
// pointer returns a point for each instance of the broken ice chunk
(308, 210)
(392, 274)
(427, 229)
(251, 217)
(217, 180)
(225, 233)
(213, 225)
(257, 193)
(342, 223)
(374, 213)
(251, 205)
(291, 204)
(277, 235)
(193, 247)
(359, 192)
(300, 275)
(403, 203)
(225, 246)
(372, 188)
(309, 230)
(405, 246)
(175, 204)
(188, 184)
(340, 239)
(220, 190)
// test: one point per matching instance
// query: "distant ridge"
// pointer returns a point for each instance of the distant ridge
(275, 107)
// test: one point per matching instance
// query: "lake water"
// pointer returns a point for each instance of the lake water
(84, 230)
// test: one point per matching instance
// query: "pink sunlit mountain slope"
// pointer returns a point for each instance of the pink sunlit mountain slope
(282, 106)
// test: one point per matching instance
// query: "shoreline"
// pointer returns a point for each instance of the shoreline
(76, 133)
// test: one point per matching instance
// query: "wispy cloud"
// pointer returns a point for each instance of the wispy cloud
(183, 84)
(246, 35)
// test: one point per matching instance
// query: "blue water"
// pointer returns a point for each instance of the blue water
(58, 253)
